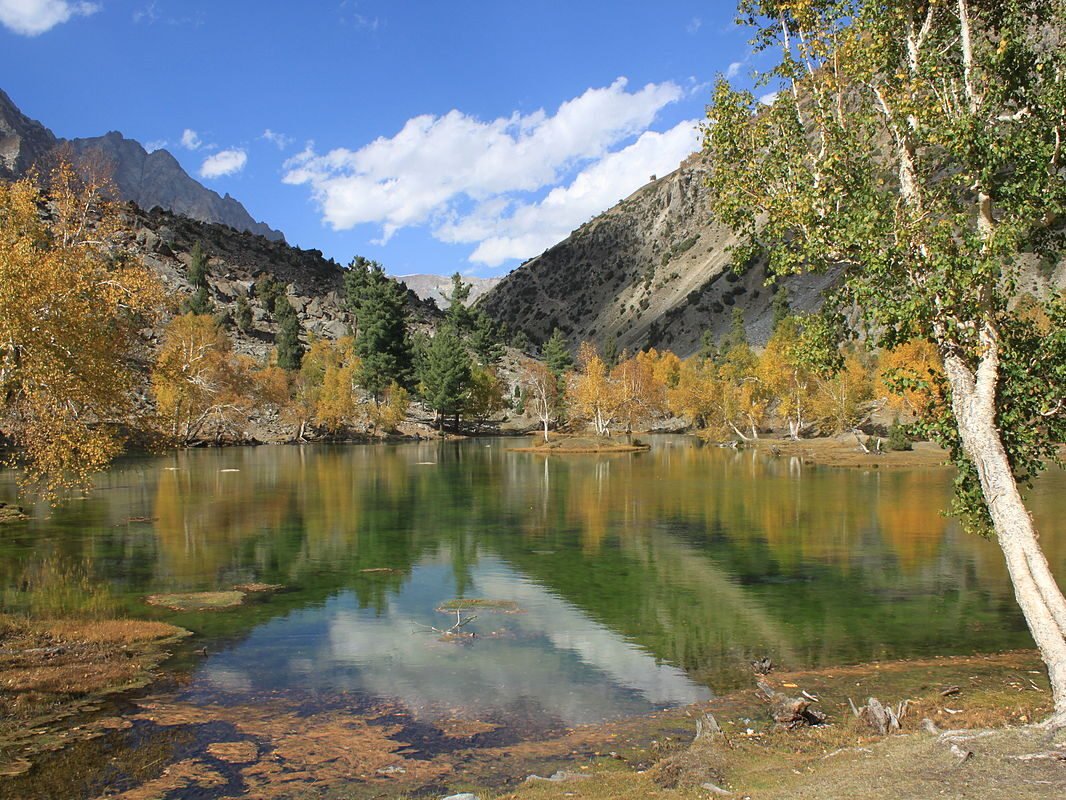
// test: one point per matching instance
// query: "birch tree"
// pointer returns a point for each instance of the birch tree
(918, 147)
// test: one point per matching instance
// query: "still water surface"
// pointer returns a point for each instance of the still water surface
(642, 581)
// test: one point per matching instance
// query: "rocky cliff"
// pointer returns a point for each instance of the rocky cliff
(438, 287)
(147, 179)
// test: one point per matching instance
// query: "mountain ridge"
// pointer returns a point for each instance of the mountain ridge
(147, 179)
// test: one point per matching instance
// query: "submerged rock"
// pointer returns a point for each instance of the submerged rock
(196, 601)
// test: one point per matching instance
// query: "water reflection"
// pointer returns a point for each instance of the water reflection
(546, 663)
(644, 578)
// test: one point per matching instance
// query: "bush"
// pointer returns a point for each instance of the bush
(898, 438)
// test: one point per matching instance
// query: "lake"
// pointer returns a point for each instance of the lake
(632, 582)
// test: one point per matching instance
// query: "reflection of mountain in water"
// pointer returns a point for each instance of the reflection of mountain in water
(548, 664)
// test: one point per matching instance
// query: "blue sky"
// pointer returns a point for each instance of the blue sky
(431, 136)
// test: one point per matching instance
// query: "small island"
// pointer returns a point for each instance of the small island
(569, 445)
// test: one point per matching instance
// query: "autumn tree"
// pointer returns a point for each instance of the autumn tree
(592, 392)
(917, 147)
(913, 375)
(541, 393)
(486, 394)
(70, 308)
(198, 384)
(787, 376)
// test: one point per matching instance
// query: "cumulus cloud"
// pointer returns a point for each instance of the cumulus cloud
(280, 140)
(504, 230)
(734, 69)
(768, 98)
(420, 174)
(190, 139)
(224, 162)
(34, 17)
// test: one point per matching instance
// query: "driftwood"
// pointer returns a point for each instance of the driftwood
(883, 719)
(791, 712)
(762, 666)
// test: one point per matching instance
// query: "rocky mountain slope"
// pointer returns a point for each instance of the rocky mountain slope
(438, 287)
(656, 271)
(147, 179)
(235, 259)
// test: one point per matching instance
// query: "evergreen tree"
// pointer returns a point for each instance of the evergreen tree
(738, 334)
(243, 315)
(610, 352)
(290, 349)
(520, 342)
(485, 339)
(556, 354)
(378, 303)
(197, 266)
(458, 314)
(268, 289)
(780, 306)
(446, 374)
(199, 303)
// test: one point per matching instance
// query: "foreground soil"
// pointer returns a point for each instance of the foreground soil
(167, 745)
(53, 671)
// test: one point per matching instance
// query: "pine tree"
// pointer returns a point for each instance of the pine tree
(738, 335)
(446, 374)
(780, 306)
(610, 352)
(290, 349)
(458, 314)
(485, 339)
(197, 266)
(378, 303)
(199, 303)
(243, 315)
(556, 354)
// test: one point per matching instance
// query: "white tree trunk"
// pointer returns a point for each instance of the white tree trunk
(1037, 593)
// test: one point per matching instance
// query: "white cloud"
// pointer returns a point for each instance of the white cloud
(768, 98)
(694, 25)
(34, 17)
(505, 231)
(155, 144)
(280, 140)
(190, 139)
(433, 163)
(224, 162)
(734, 69)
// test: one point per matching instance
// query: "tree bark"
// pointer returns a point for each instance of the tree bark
(1037, 593)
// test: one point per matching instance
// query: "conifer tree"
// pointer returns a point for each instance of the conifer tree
(290, 349)
(557, 354)
(243, 315)
(485, 339)
(197, 266)
(446, 374)
(381, 343)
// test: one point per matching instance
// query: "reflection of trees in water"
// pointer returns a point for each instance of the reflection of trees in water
(698, 554)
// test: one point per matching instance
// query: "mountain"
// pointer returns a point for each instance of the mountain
(656, 271)
(653, 271)
(438, 287)
(147, 179)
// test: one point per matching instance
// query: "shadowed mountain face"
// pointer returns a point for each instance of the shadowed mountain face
(147, 179)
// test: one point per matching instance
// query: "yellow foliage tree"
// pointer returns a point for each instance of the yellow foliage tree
(198, 384)
(70, 309)
(912, 373)
(839, 399)
(593, 395)
(789, 383)
(697, 393)
(391, 411)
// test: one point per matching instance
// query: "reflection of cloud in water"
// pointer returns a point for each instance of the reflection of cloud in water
(549, 663)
